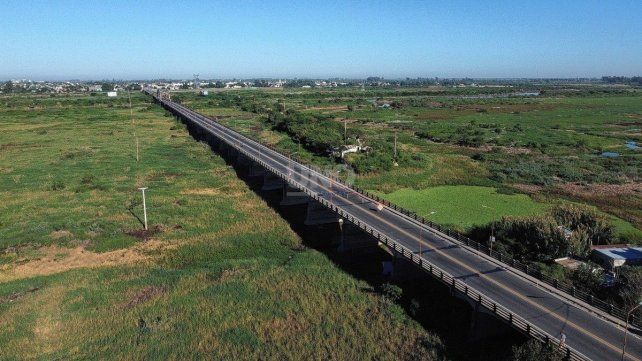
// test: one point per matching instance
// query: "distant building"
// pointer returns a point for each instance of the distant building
(95, 88)
(112, 94)
(613, 257)
(204, 93)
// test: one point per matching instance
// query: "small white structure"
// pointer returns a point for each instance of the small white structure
(112, 94)
(204, 93)
(612, 257)
(342, 151)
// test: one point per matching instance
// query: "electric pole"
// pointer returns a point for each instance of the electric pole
(395, 145)
(345, 131)
(131, 115)
(142, 189)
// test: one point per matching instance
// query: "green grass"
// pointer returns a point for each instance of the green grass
(547, 141)
(224, 277)
(465, 206)
(462, 207)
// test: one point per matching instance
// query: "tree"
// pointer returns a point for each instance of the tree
(587, 279)
(391, 292)
(107, 87)
(630, 286)
(8, 87)
(587, 226)
(534, 350)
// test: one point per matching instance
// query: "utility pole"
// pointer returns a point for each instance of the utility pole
(345, 131)
(491, 240)
(341, 240)
(131, 115)
(626, 329)
(142, 189)
(395, 145)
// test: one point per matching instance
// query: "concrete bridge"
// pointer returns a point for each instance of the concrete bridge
(510, 294)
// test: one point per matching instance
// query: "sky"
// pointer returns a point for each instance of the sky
(59, 40)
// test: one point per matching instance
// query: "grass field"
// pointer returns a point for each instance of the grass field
(219, 276)
(462, 207)
(465, 206)
(547, 146)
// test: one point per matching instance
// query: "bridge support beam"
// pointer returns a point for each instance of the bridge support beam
(231, 152)
(484, 325)
(210, 139)
(399, 266)
(293, 196)
(272, 182)
(242, 160)
(256, 170)
(221, 147)
(318, 214)
(353, 238)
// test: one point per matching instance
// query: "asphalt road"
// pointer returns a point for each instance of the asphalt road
(586, 332)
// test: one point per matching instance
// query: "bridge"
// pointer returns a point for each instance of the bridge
(510, 293)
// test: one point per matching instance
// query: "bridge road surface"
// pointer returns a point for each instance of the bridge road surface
(587, 333)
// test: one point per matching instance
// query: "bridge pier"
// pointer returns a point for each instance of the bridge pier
(292, 196)
(484, 325)
(242, 160)
(211, 139)
(353, 238)
(220, 147)
(231, 152)
(256, 170)
(272, 182)
(318, 214)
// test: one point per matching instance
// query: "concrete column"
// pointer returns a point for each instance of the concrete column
(354, 238)
(318, 214)
(271, 182)
(292, 196)
(256, 170)
(242, 160)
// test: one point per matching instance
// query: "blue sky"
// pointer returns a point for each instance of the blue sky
(174, 39)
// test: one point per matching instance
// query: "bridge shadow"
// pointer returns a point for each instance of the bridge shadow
(424, 299)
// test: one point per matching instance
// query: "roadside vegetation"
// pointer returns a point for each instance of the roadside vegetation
(219, 275)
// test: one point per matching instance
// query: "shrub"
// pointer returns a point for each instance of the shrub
(534, 350)
(391, 292)
(57, 185)
(584, 221)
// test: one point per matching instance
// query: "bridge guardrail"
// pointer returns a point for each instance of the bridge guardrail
(503, 257)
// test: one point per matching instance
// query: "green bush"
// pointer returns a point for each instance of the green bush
(534, 350)
(391, 292)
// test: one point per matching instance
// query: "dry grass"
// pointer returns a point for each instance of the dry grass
(57, 259)
(220, 279)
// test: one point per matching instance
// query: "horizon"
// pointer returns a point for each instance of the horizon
(316, 40)
(189, 79)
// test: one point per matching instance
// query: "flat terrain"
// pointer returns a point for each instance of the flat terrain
(548, 147)
(465, 205)
(219, 275)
